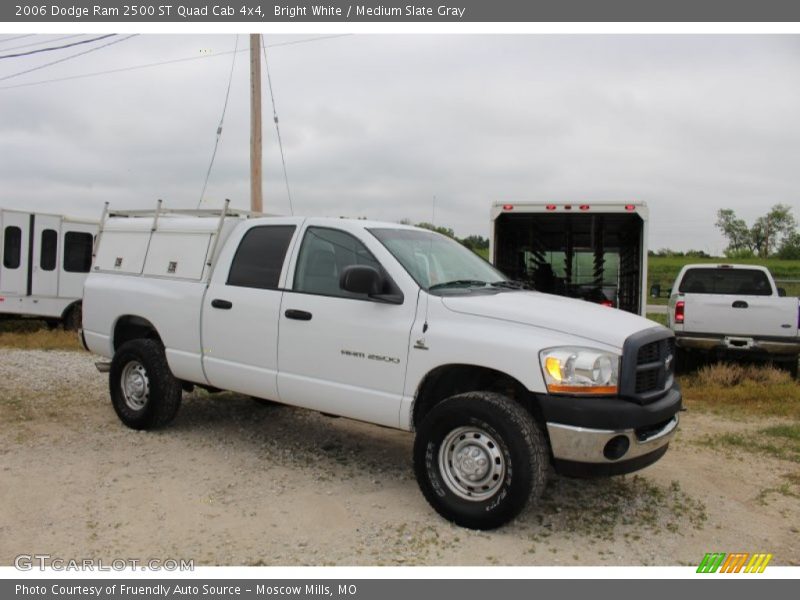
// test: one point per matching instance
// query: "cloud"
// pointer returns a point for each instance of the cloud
(377, 125)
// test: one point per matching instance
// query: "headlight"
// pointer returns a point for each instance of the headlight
(575, 370)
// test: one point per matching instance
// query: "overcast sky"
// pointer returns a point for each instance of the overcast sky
(376, 125)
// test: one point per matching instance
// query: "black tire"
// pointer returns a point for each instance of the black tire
(153, 395)
(73, 319)
(488, 426)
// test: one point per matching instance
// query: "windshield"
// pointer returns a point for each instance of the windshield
(437, 262)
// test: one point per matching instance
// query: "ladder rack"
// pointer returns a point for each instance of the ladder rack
(161, 211)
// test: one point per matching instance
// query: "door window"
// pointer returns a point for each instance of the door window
(47, 258)
(259, 257)
(323, 256)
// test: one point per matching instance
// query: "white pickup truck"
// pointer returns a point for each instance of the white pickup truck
(721, 310)
(387, 324)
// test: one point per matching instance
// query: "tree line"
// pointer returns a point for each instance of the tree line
(771, 235)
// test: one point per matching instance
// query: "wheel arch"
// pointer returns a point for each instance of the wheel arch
(76, 305)
(132, 327)
(448, 380)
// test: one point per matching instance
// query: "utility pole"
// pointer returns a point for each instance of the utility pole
(256, 200)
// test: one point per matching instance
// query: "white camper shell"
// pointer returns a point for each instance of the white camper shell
(596, 251)
(45, 259)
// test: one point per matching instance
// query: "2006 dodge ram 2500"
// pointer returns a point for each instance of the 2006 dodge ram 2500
(388, 324)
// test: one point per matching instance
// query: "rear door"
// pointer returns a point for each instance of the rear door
(46, 234)
(241, 308)
(734, 301)
(14, 270)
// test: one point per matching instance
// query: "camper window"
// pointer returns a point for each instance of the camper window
(12, 247)
(47, 259)
(77, 252)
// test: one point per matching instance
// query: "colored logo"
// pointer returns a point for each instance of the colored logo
(719, 562)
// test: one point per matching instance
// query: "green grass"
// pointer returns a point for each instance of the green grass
(780, 441)
(742, 391)
(33, 334)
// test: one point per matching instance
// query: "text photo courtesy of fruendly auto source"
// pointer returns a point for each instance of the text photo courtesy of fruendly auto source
(339, 299)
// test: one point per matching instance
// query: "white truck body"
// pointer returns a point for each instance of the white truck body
(44, 261)
(303, 341)
(732, 308)
(596, 251)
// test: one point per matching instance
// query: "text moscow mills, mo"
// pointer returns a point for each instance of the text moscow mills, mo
(171, 591)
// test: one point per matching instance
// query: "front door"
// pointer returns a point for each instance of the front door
(340, 353)
(16, 241)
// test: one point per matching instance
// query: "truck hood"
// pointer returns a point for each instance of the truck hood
(555, 313)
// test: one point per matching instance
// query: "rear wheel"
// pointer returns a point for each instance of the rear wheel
(73, 319)
(144, 392)
(479, 457)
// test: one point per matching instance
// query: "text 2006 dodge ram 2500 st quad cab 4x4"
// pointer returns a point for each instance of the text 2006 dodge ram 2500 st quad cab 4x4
(388, 324)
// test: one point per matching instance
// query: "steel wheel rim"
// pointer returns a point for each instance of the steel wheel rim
(135, 385)
(471, 463)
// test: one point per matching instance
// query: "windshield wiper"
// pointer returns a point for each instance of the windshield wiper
(458, 283)
(512, 284)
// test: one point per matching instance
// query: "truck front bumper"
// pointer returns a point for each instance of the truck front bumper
(608, 436)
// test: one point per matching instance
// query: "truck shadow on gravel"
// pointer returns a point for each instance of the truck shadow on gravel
(631, 506)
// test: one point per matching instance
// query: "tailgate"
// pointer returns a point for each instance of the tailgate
(730, 314)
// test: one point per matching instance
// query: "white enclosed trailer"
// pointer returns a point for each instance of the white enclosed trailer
(595, 251)
(44, 260)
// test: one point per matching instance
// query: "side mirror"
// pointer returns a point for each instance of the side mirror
(781, 292)
(366, 280)
(361, 279)
(655, 290)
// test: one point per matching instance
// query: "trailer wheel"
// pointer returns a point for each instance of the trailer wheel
(144, 393)
(479, 458)
(73, 319)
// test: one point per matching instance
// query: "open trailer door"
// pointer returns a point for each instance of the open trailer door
(596, 252)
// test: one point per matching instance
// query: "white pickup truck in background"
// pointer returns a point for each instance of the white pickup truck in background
(383, 323)
(733, 311)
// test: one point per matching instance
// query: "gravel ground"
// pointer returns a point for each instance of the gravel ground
(233, 482)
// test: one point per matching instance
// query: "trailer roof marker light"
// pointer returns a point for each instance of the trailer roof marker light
(630, 207)
(550, 207)
(568, 207)
(584, 207)
(508, 207)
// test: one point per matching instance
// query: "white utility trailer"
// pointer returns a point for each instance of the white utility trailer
(44, 260)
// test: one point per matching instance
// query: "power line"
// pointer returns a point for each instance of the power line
(17, 37)
(66, 37)
(221, 119)
(160, 63)
(71, 56)
(52, 48)
(277, 128)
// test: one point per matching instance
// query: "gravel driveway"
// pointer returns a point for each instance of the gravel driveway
(232, 482)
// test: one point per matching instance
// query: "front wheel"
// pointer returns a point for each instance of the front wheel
(144, 392)
(479, 457)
